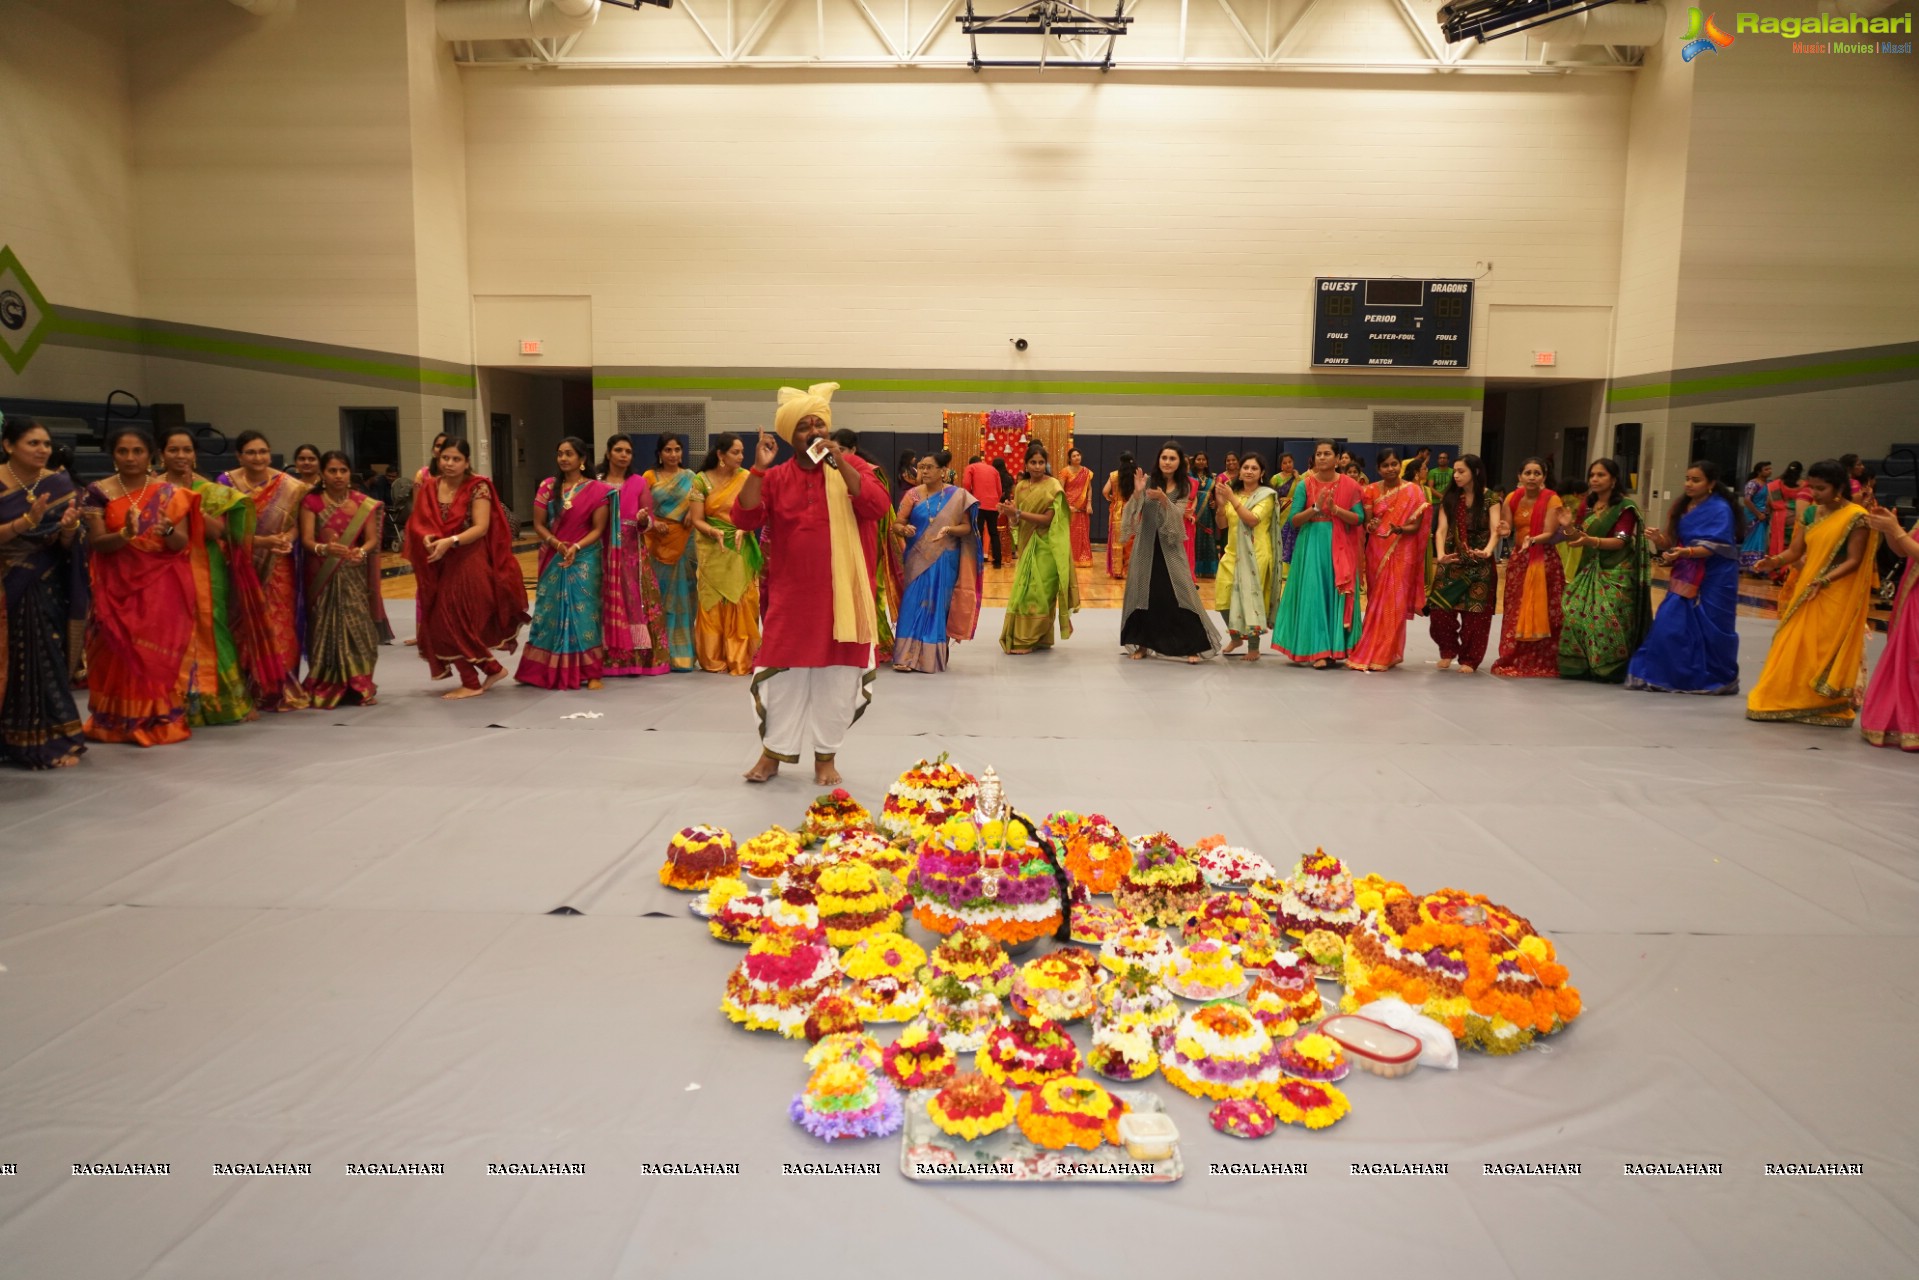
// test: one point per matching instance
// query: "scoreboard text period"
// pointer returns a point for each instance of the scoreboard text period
(1395, 324)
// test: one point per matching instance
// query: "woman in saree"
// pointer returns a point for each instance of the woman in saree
(1076, 478)
(1045, 586)
(1608, 601)
(1120, 483)
(936, 533)
(306, 466)
(667, 550)
(571, 516)
(1889, 716)
(1396, 542)
(217, 685)
(1815, 668)
(727, 634)
(1318, 620)
(472, 595)
(1161, 610)
(340, 531)
(1283, 481)
(1757, 497)
(45, 579)
(633, 625)
(1245, 591)
(276, 498)
(139, 528)
(1535, 579)
(1465, 590)
(1208, 530)
(1692, 645)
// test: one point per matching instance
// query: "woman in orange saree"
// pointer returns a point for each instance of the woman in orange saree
(1396, 512)
(1535, 579)
(1119, 492)
(1814, 671)
(217, 689)
(276, 498)
(340, 532)
(144, 610)
(726, 634)
(1077, 480)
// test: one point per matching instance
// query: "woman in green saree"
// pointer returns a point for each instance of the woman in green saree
(1044, 587)
(1608, 600)
(217, 690)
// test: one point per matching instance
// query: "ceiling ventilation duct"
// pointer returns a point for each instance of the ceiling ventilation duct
(1635, 26)
(459, 20)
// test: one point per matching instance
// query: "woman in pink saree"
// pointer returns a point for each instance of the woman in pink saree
(633, 626)
(276, 498)
(1889, 717)
(1396, 514)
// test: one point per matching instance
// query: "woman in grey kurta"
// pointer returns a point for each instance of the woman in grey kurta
(1161, 612)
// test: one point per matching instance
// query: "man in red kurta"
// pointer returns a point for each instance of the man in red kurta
(813, 676)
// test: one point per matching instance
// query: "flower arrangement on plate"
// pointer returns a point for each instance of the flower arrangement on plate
(926, 796)
(1095, 922)
(992, 876)
(832, 1014)
(1163, 885)
(1303, 1102)
(791, 907)
(1312, 1056)
(973, 957)
(1094, 852)
(1222, 864)
(846, 1046)
(1142, 946)
(1205, 970)
(845, 1100)
(963, 1014)
(1243, 1118)
(883, 969)
(1124, 1049)
(1136, 998)
(697, 856)
(972, 1105)
(1318, 895)
(1327, 951)
(784, 973)
(733, 914)
(919, 1059)
(1274, 1008)
(1058, 985)
(1070, 1112)
(1026, 1051)
(1461, 959)
(1227, 916)
(831, 814)
(870, 847)
(766, 854)
(1221, 1051)
(855, 904)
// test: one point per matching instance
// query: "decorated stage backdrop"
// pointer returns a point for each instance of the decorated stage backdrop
(1003, 433)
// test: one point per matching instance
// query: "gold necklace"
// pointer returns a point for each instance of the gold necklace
(566, 496)
(136, 498)
(30, 488)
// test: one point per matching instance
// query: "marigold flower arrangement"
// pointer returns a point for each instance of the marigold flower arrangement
(963, 1014)
(1058, 985)
(1274, 1008)
(831, 814)
(1221, 1051)
(1243, 1118)
(1070, 1112)
(832, 1014)
(1027, 1051)
(992, 876)
(1094, 852)
(1095, 922)
(1136, 998)
(1205, 970)
(1124, 1049)
(882, 968)
(1142, 947)
(783, 975)
(1318, 895)
(1305, 1103)
(1313, 1057)
(1461, 959)
(697, 856)
(1163, 886)
(846, 1046)
(971, 1106)
(870, 847)
(926, 795)
(919, 1059)
(1229, 917)
(845, 1100)
(793, 907)
(767, 853)
(1327, 950)
(733, 914)
(854, 904)
(973, 957)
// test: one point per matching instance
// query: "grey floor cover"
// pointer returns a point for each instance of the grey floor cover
(327, 939)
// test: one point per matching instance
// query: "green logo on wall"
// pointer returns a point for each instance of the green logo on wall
(24, 313)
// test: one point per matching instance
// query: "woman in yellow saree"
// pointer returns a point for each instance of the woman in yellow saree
(726, 635)
(1044, 584)
(1815, 669)
(1246, 587)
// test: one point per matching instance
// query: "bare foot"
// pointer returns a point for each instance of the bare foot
(413, 642)
(825, 775)
(1320, 665)
(493, 679)
(595, 684)
(454, 695)
(1233, 647)
(369, 702)
(1465, 671)
(1192, 659)
(765, 770)
(1253, 656)
(1017, 652)
(902, 670)
(1137, 654)
(1444, 663)
(67, 761)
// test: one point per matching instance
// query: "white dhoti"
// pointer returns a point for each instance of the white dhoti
(809, 706)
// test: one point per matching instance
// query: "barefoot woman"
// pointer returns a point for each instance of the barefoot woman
(472, 595)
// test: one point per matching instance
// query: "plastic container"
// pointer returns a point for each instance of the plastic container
(1373, 1046)
(1148, 1135)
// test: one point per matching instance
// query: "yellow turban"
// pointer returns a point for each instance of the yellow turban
(816, 401)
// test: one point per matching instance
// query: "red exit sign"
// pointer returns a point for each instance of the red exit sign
(529, 346)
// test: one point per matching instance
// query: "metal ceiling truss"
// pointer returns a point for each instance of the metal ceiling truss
(898, 34)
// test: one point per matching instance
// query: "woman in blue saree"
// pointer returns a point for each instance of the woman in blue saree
(1693, 646)
(938, 535)
(45, 579)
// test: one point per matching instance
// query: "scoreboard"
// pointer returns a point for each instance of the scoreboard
(1395, 324)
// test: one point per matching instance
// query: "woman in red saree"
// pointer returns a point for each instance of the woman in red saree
(472, 594)
(340, 532)
(144, 608)
(1077, 479)
(1396, 512)
(1535, 579)
(276, 498)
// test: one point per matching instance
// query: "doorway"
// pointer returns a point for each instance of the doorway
(371, 436)
(500, 448)
(1572, 475)
(1727, 445)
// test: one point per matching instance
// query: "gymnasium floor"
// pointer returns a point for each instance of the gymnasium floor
(330, 938)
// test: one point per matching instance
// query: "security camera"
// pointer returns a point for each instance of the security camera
(1019, 344)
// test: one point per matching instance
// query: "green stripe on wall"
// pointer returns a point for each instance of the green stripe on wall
(995, 387)
(163, 340)
(1766, 378)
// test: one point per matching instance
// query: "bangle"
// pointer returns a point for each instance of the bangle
(758, 471)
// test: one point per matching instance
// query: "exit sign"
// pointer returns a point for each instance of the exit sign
(529, 346)
(1543, 358)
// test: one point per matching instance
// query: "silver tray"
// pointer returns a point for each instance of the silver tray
(929, 1155)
